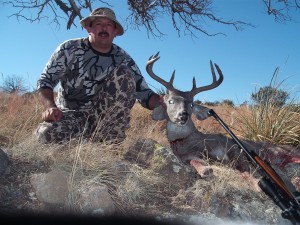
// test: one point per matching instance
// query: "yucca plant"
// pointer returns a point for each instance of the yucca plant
(270, 117)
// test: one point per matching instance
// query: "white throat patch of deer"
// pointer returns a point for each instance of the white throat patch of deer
(188, 144)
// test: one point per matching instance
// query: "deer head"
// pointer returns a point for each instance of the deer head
(178, 105)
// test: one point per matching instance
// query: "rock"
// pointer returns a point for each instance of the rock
(296, 183)
(221, 207)
(141, 152)
(51, 187)
(4, 141)
(3, 162)
(151, 155)
(292, 169)
(165, 162)
(96, 200)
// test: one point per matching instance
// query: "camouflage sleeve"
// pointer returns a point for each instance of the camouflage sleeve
(53, 70)
(143, 91)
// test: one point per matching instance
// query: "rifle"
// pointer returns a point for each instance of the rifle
(270, 183)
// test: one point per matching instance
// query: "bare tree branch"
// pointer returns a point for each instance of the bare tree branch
(35, 10)
(281, 9)
(13, 84)
(63, 7)
(187, 16)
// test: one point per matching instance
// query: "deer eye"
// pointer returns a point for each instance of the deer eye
(171, 102)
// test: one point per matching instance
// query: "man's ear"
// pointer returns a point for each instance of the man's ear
(88, 29)
(115, 32)
(200, 112)
(158, 113)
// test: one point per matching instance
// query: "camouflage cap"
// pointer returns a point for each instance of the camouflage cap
(100, 13)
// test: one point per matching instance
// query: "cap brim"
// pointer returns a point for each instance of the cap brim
(87, 20)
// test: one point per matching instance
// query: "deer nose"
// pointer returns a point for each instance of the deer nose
(183, 115)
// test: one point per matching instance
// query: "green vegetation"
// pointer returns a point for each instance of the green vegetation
(271, 118)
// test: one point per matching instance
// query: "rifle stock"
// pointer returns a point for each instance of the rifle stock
(270, 183)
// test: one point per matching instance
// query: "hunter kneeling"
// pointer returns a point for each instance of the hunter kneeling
(99, 84)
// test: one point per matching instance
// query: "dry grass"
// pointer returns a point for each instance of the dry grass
(129, 184)
(210, 125)
(142, 126)
(269, 123)
(19, 116)
(92, 163)
(225, 182)
(272, 118)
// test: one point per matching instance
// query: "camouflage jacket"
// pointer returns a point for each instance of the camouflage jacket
(80, 70)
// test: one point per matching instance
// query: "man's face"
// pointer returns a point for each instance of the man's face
(102, 32)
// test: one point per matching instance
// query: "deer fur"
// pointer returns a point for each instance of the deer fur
(189, 144)
(196, 148)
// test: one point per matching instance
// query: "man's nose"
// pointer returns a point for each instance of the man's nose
(103, 26)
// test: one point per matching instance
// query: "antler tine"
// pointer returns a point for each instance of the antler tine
(149, 66)
(194, 83)
(216, 82)
(212, 69)
(172, 78)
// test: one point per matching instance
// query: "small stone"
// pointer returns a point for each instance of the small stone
(96, 200)
(51, 187)
(4, 161)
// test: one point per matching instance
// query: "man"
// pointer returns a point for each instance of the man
(99, 84)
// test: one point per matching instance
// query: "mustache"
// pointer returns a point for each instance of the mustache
(103, 33)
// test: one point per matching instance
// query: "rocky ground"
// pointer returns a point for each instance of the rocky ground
(180, 197)
(16, 193)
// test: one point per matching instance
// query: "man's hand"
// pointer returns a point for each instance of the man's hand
(52, 114)
(155, 101)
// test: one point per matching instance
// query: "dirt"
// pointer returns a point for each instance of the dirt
(16, 194)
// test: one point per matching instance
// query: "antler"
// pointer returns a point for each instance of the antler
(195, 90)
(213, 85)
(149, 66)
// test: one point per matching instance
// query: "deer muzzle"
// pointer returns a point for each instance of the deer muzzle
(182, 118)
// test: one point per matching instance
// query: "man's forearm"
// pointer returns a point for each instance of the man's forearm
(153, 101)
(47, 97)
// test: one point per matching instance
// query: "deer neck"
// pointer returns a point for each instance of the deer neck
(177, 132)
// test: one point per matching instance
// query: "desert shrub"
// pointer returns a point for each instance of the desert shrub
(215, 103)
(197, 101)
(295, 107)
(273, 124)
(271, 94)
(271, 118)
(227, 102)
(13, 84)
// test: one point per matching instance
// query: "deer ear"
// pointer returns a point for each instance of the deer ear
(200, 112)
(158, 113)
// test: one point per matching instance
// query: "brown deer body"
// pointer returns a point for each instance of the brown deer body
(189, 144)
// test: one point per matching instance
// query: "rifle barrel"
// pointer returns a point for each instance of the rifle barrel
(271, 183)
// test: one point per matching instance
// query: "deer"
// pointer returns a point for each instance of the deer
(190, 145)
(195, 148)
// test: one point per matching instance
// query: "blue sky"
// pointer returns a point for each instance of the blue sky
(247, 58)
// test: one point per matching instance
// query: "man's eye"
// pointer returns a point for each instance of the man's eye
(171, 102)
(105, 24)
(192, 105)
